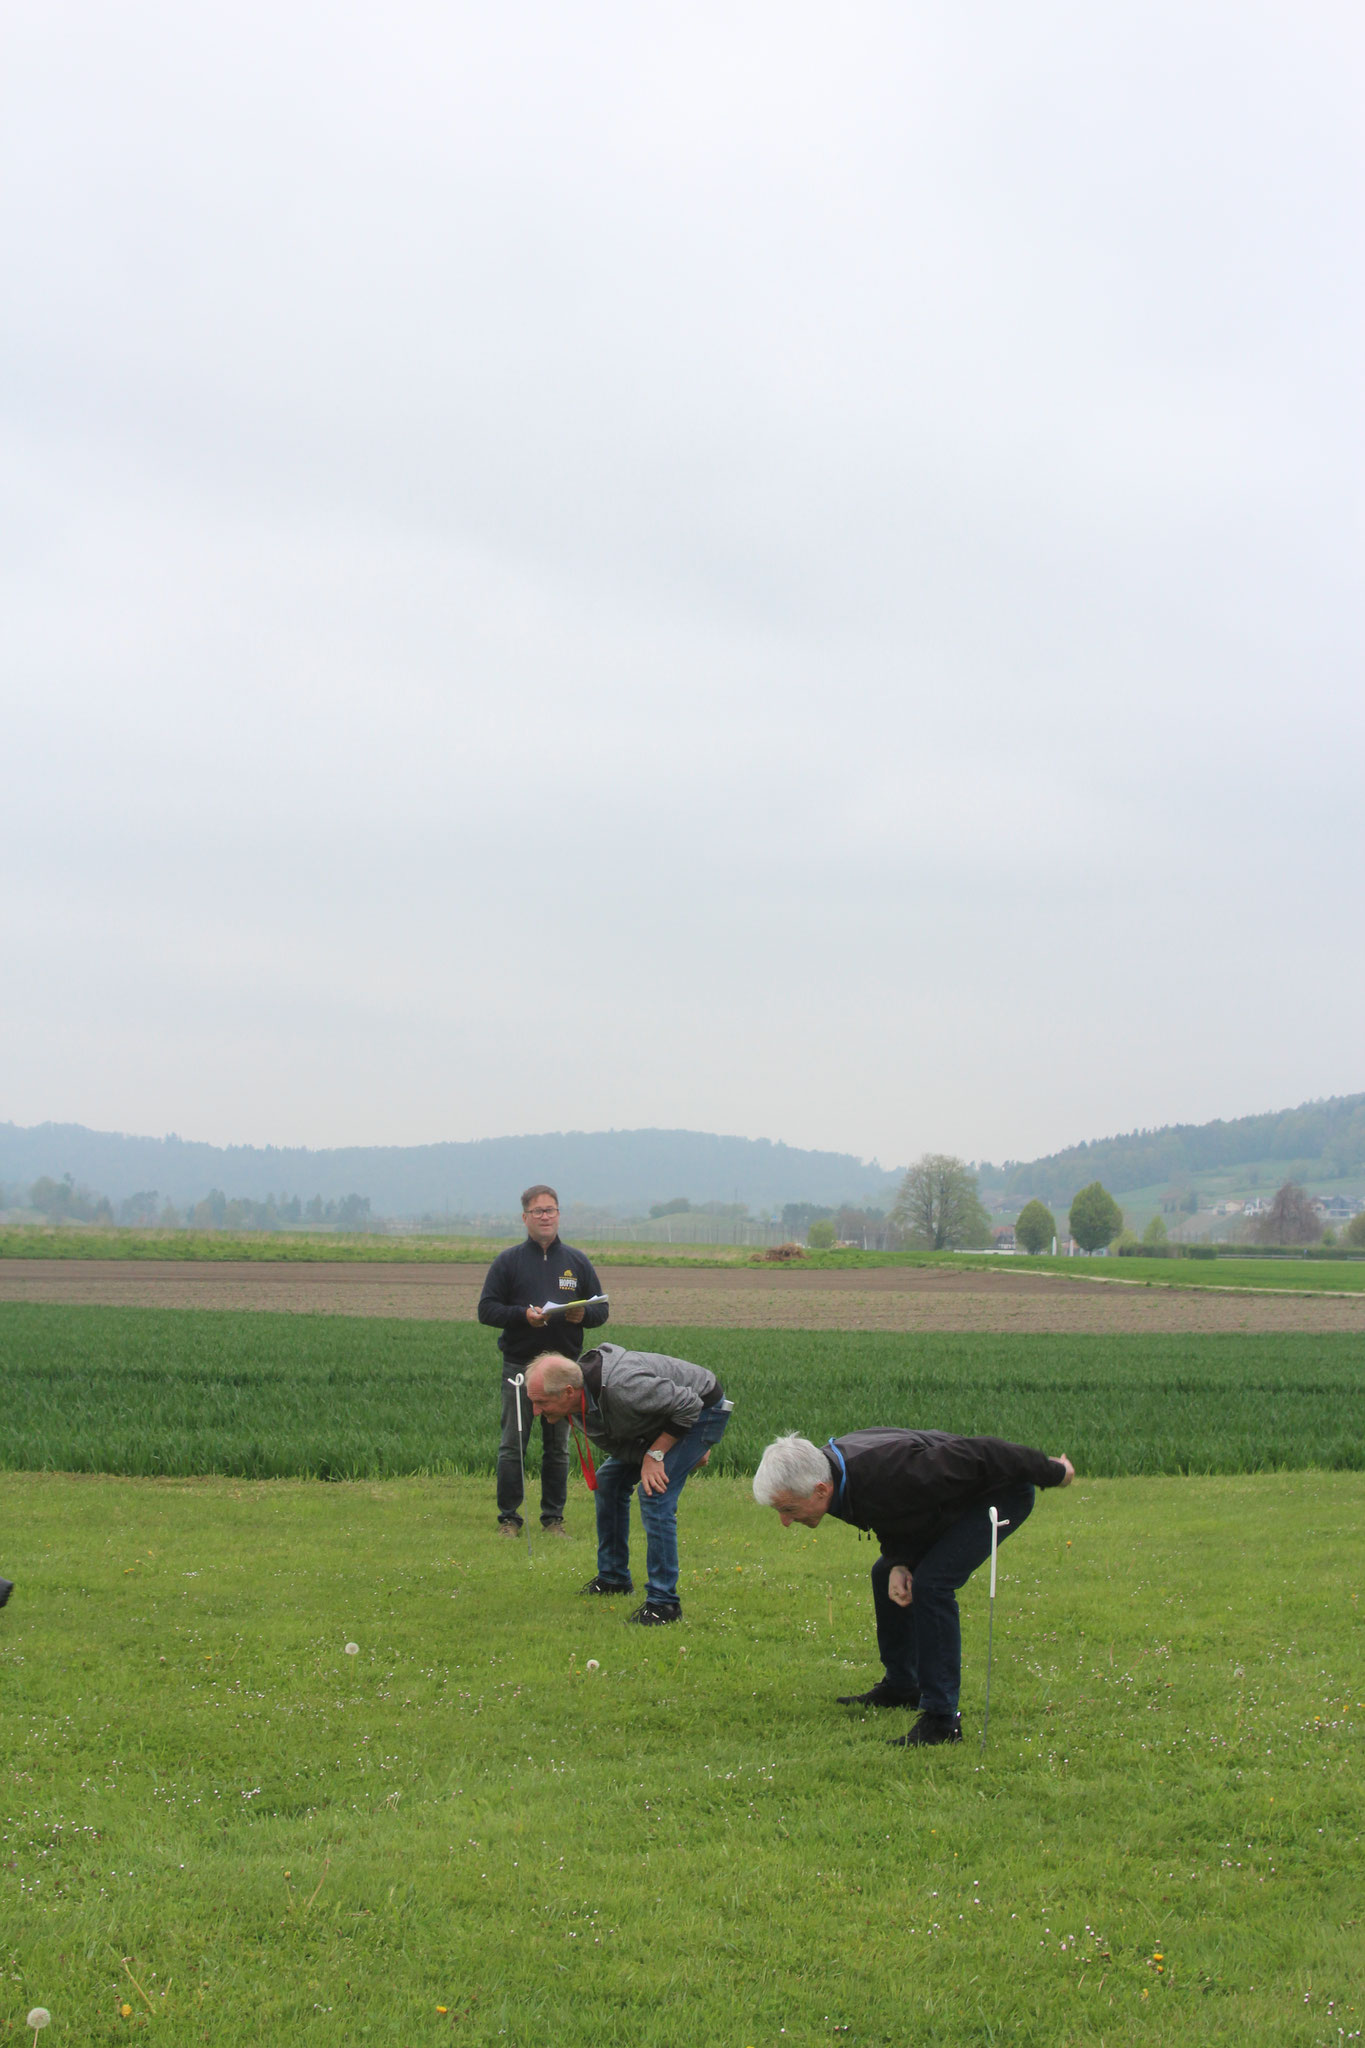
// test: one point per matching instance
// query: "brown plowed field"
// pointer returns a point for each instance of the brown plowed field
(881, 1298)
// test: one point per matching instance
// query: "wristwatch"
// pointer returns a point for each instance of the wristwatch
(652, 1453)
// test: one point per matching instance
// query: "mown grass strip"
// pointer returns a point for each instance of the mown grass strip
(181, 1392)
(461, 1832)
(77, 1241)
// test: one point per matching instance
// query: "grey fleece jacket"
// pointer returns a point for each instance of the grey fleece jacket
(633, 1396)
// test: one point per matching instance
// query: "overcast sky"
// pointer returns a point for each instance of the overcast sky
(777, 569)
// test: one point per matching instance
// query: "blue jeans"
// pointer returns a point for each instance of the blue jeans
(921, 1645)
(617, 1480)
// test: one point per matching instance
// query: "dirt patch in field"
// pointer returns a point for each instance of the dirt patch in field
(882, 1298)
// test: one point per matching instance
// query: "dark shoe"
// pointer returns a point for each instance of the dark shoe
(929, 1729)
(655, 1613)
(553, 1529)
(6, 1588)
(601, 1585)
(509, 1528)
(881, 1695)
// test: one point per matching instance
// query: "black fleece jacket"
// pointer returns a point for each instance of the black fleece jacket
(525, 1277)
(910, 1485)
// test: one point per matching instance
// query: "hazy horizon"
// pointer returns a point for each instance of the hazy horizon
(750, 570)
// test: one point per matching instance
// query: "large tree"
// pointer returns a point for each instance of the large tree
(1290, 1219)
(937, 1205)
(1035, 1227)
(1096, 1218)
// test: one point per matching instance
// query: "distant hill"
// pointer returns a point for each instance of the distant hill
(624, 1171)
(1318, 1140)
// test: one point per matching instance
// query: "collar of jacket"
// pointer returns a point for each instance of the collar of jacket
(590, 1365)
(838, 1472)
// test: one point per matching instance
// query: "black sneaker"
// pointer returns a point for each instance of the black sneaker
(655, 1613)
(881, 1695)
(6, 1588)
(929, 1729)
(601, 1585)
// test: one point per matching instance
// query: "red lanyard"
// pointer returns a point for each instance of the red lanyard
(585, 1463)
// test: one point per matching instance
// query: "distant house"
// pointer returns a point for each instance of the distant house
(1003, 1238)
(1335, 1208)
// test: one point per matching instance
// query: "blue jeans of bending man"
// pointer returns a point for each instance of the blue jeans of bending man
(921, 1645)
(554, 1461)
(617, 1480)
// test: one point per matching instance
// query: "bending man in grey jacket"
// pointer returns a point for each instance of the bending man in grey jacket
(657, 1418)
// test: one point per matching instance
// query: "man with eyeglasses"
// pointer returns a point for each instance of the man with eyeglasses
(520, 1282)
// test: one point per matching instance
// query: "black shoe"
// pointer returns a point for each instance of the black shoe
(655, 1613)
(881, 1695)
(601, 1585)
(6, 1588)
(929, 1729)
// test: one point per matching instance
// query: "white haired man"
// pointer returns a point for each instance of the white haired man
(658, 1418)
(927, 1497)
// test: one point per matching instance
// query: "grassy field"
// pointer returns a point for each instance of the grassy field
(323, 1248)
(220, 1828)
(167, 1392)
(80, 1241)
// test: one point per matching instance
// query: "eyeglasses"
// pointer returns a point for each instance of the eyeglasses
(541, 1214)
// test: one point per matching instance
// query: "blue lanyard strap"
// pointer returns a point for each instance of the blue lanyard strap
(838, 1458)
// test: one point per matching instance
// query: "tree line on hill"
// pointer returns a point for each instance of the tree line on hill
(1323, 1139)
(67, 1201)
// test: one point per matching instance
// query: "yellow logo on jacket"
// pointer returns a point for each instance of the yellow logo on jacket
(568, 1281)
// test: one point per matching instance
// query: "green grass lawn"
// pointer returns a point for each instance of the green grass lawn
(216, 1818)
(80, 1241)
(167, 1391)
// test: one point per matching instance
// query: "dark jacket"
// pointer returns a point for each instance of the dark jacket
(910, 1485)
(525, 1277)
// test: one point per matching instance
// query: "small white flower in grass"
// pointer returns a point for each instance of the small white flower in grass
(352, 1649)
(593, 1664)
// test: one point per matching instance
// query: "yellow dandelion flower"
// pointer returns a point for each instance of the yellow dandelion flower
(125, 2012)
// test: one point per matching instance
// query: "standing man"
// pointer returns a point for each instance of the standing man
(927, 1497)
(657, 1418)
(520, 1282)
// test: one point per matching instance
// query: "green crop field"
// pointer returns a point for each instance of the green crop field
(158, 1391)
(218, 1827)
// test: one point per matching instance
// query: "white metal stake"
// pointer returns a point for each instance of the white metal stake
(519, 1381)
(996, 1526)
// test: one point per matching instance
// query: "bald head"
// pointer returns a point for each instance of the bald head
(554, 1386)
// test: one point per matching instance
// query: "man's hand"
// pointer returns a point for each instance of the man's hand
(537, 1318)
(900, 1586)
(1061, 1458)
(574, 1315)
(653, 1478)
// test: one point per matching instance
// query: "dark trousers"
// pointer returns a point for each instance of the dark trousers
(921, 1645)
(554, 1460)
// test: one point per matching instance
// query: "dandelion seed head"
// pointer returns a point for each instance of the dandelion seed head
(39, 2017)
(593, 1665)
(352, 1649)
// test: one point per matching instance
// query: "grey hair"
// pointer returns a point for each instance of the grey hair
(793, 1467)
(557, 1373)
